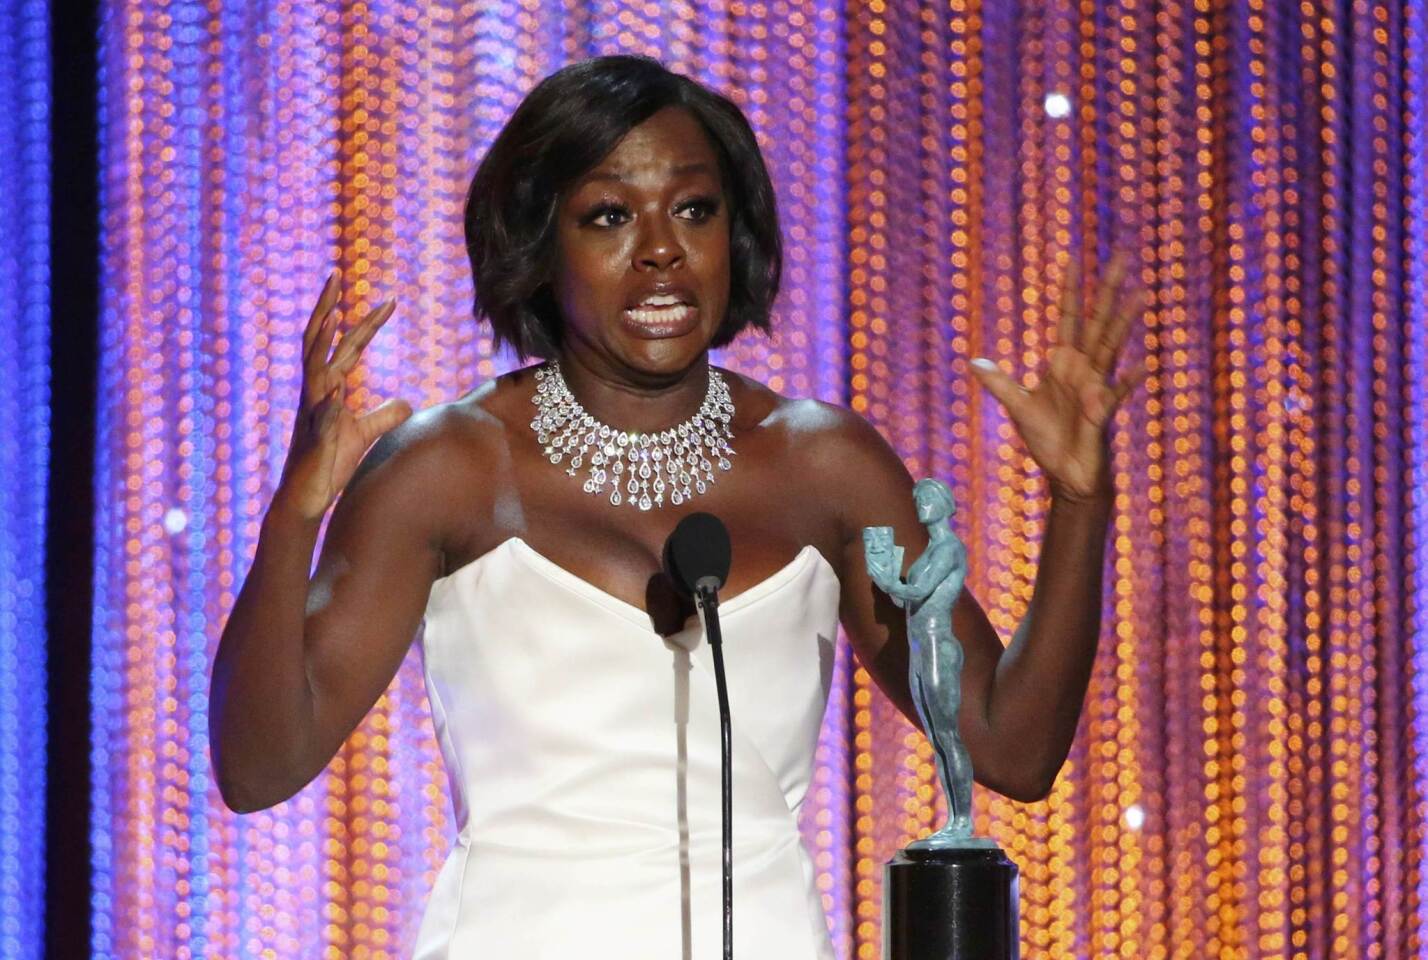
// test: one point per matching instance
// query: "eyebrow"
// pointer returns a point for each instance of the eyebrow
(679, 171)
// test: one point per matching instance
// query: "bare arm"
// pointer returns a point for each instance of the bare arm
(260, 698)
(300, 662)
(1020, 706)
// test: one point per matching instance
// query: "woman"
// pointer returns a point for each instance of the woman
(621, 225)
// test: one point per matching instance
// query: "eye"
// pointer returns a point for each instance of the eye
(606, 215)
(699, 209)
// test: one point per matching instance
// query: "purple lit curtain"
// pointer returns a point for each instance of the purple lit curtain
(1248, 780)
(24, 468)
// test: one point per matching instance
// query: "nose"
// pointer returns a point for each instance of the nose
(659, 248)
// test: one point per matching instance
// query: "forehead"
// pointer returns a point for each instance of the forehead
(671, 143)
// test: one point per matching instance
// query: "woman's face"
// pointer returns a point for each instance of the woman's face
(930, 506)
(642, 276)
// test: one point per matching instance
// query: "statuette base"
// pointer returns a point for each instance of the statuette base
(950, 905)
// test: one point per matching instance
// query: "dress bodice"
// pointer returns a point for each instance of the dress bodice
(582, 750)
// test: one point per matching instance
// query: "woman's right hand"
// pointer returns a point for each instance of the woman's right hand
(328, 440)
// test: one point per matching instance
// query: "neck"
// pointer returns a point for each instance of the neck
(639, 403)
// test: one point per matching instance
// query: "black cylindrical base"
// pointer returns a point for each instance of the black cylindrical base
(950, 905)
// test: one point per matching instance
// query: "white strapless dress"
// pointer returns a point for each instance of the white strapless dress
(583, 753)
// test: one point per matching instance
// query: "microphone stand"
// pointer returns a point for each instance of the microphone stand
(706, 596)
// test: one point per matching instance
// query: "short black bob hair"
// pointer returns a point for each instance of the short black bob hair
(564, 127)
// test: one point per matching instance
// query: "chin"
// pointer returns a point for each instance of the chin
(667, 351)
(664, 356)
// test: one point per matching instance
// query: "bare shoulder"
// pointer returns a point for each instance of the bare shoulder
(433, 476)
(836, 454)
(433, 440)
(825, 435)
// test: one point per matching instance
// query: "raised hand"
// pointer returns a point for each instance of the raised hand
(1062, 420)
(329, 440)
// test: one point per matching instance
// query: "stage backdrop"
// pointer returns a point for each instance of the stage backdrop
(1249, 777)
(24, 467)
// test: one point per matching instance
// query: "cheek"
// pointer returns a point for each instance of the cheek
(588, 272)
(715, 260)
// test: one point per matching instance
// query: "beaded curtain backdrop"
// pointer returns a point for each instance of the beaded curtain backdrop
(1249, 777)
(26, 89)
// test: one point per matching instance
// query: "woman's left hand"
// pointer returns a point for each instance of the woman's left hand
(1062, 420)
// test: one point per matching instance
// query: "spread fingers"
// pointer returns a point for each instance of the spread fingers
(354, 342)
(1107, 348)
(325, 302)
(1107, 293)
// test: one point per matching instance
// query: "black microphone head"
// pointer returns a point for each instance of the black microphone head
(697, 549)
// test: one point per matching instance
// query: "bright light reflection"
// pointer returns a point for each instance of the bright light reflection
(175, 521)
(1135, 816)
(1058, 105)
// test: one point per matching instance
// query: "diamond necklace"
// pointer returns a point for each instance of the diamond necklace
(641, 468)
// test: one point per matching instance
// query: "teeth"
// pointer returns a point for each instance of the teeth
(662, 314)
(661, 300)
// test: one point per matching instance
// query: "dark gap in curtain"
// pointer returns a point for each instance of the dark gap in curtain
(74, 325)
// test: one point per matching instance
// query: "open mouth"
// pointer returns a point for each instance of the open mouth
(674, 313)
(662, 315)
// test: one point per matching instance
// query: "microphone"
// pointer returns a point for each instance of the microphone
(696, 558)
(697, 555)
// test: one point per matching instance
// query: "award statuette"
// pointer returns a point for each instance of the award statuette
(951, 895)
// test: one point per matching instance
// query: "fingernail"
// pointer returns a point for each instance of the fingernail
(982, 363)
